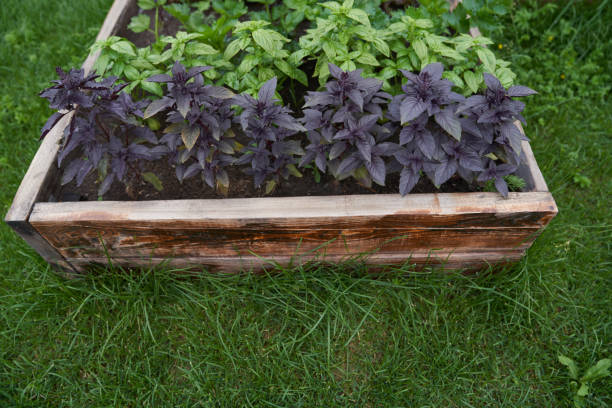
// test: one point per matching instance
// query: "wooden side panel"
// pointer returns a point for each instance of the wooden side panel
(464, 225)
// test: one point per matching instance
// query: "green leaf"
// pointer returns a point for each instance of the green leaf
(330, 49)
(583, 391)
(472, 80)
(570, 364)
(348, 66)
(598, 371)
(265, 74)
(387, 73)
(359, 15)
(249, 62)
(146, 4)
(128, 89)
(297, 57)
(140, 23)
(453, 77)
(291, 71)
(381, 45)
(250, 25)
(117, 68)
(421, 49)
(131, 73)
(332, 5)
(235, 47)
(179, 11)
(269, 40)
(423, 23)
(142, 64)
(294, 171)
(368, 59)
(198, 48)
(124, 47)
(270, 185)
(152, 87)
(488, 59)
(102, 64)
(159, 59)
(154, 180)
(505, 76)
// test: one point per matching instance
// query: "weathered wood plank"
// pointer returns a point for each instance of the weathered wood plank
(529, 171)
(454, 260)
(75, 242)
(337, 225)
(41, 245)
(304, 211)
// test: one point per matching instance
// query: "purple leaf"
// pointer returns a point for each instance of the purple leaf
(106, 184)
(449, 122)
(492, 82)
(50, 123)
(160, 78)
(377, 170)
(408, 180)
(410, 109)
(158, 106)
(444, 171)
(337, 149)
(434, 70)
(519, 90)
(501, 186)
(348, 165)
(365, 149)
(266, 92)
(335, 71)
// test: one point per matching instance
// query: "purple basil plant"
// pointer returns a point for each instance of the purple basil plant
(105, 130)
(199, 136)
(343, 127)
(267, 126)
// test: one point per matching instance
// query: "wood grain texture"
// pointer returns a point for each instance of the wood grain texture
(457, 223)
(529, 171)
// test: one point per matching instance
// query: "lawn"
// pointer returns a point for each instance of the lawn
(324, 336)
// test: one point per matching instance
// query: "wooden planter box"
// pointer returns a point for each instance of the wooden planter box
(458, 230)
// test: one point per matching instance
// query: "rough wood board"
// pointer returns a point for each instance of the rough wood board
(124, 242)
(529, 171)
(272, 227)
(241, 211)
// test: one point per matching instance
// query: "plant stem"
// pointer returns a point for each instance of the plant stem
(156, 24)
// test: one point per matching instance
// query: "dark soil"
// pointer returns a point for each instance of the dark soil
(241, 185)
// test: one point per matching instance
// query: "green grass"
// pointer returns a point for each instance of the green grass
(321, 336)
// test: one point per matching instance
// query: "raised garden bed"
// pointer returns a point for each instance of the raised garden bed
(457, 230)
